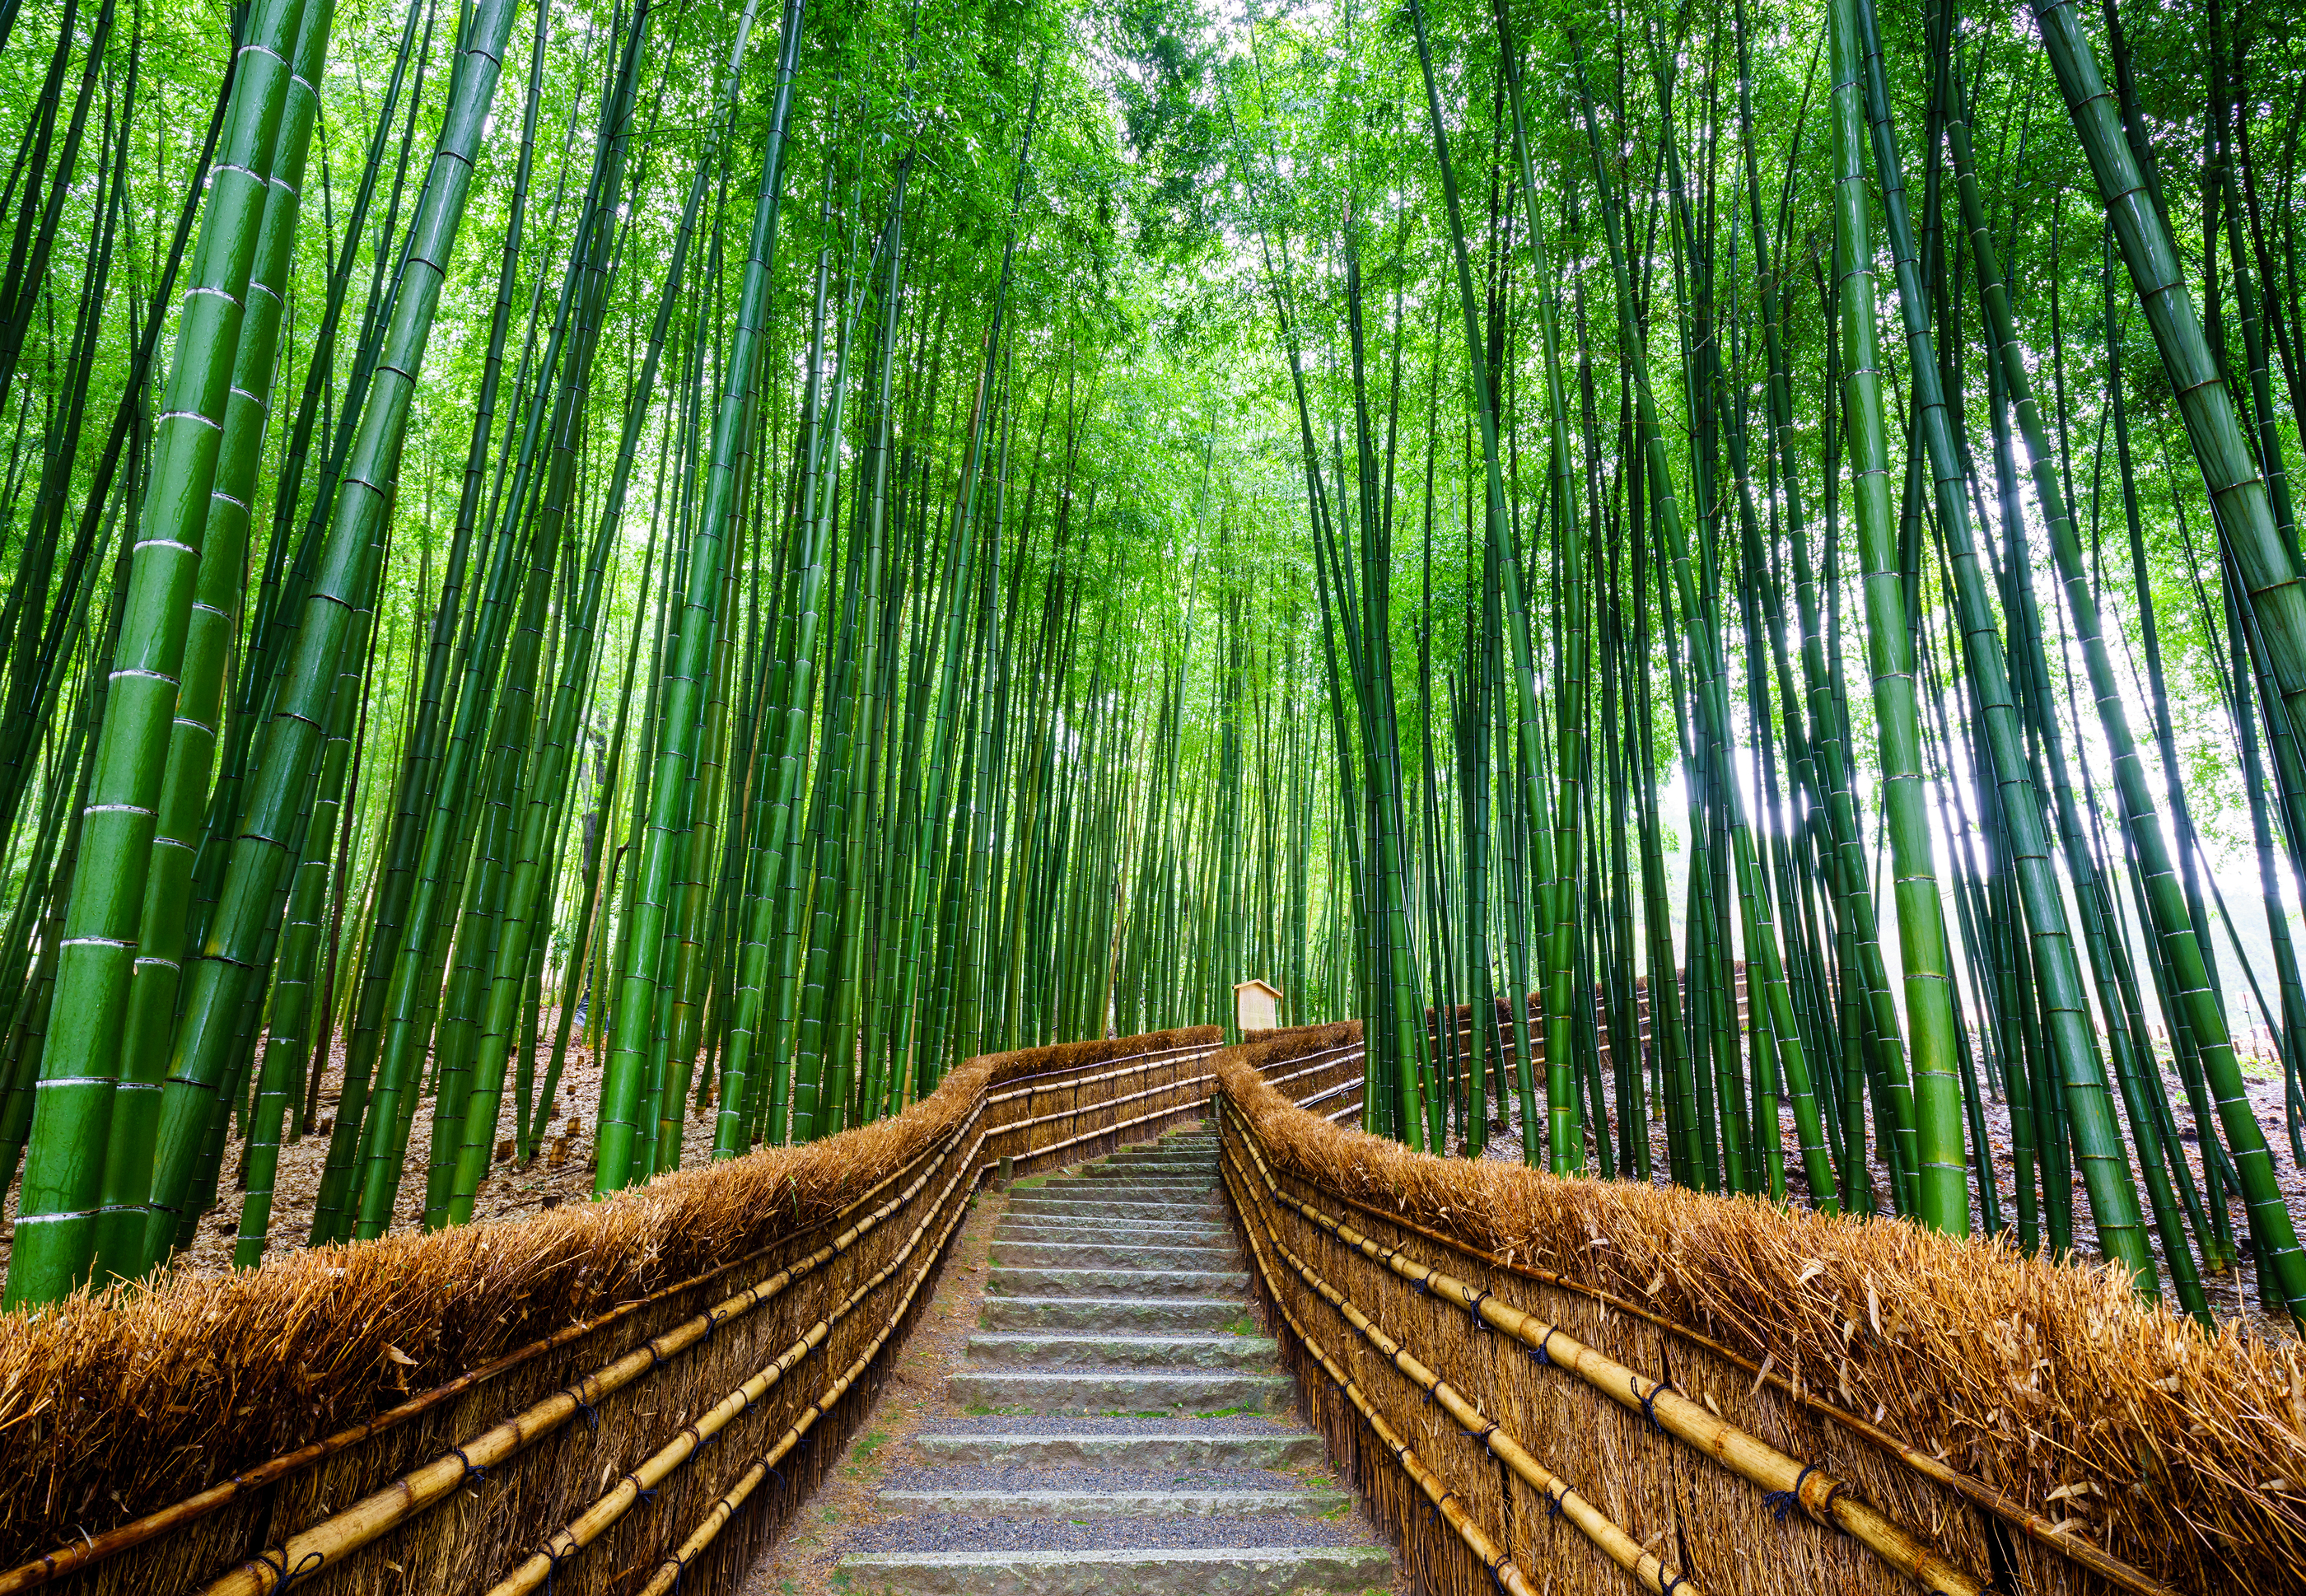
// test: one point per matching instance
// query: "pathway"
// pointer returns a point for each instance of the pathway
(1116, 1423)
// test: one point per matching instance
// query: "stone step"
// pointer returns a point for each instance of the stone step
(1163, 1447)
(1061, 1207)
(1216, 1571)
(1085, 1501)
(1110, 1255)
(1124, 1316)
(1160, 1186)
(1042, 1227)
(1197, 1189)
(1184, 1158)
(1132, 1189)
(1133, 1174)
(1115, 1283)
(1118, 1390)
(1043, 1350)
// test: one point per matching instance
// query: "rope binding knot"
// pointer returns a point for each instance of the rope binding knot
(1649, 1403)
(1783, 1502)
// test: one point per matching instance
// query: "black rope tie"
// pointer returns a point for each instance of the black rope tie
(641, 1493)
(1493, 1565)
(1783, 1502)
(591, 1414)
(1538, 1352)
(310, 1563)
(472, 1472)
(552, 1561)
(1474, 1312)
(1649, 1403)
(679, 1567)
(1553, 1503)
(656, 1358)
(1668, 1583)
(712, 1326)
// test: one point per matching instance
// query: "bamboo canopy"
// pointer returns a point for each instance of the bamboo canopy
(636, 583)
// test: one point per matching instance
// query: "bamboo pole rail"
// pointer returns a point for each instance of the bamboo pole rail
(1650, 1572)
(725, 1505)
(1460, 1519)
(1822, 1497)
(334, 1537)
(1026, 1086)
(2037, 1529)
(96, 1548)
(613, 1503)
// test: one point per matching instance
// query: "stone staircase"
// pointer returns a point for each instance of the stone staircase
(1127, 1428)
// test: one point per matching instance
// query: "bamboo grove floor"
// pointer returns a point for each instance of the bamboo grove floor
(562, 1172)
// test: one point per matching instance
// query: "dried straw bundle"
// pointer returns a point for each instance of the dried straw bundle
(2050, 1385)
(120, 1402)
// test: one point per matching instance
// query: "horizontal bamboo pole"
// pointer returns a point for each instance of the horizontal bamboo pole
(2019, 1517)
(640, 1480)
(1062, 1114)
(1494, 1557)
(1649, 1571)
(1154, 1060)
(92, 1550)
(1326, 1063)
(724, 1507)
(1171, 1112)
(337, 1536)
(1824, 1497)
(716, 1518)
(1340, 1090)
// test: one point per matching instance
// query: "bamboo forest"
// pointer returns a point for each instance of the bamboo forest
(603, 585)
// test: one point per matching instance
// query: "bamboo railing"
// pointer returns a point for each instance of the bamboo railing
(670, 1433)
(1503, 1418)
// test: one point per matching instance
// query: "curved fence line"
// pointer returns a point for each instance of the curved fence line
(722, 1284)
(1470, 1258)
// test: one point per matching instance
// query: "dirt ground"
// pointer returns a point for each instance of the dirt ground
(561, 1172)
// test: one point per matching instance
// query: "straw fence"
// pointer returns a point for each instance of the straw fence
(1580, 1385)
(613, 1397)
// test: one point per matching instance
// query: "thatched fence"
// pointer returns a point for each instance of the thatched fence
(1580, 1385)
(610, 1398)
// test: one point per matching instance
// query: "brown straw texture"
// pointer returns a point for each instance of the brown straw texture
(324, 1379)
(2142, 1452)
